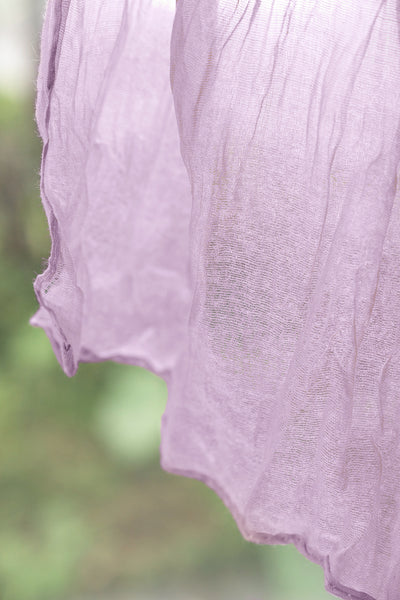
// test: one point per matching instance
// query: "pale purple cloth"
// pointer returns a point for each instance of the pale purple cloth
(227, 215)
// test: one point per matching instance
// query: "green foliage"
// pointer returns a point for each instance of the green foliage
(128, 418)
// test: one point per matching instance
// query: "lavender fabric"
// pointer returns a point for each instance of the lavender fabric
(220, 179)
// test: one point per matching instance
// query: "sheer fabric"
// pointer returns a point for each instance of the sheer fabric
(113, 184)
(220, 179)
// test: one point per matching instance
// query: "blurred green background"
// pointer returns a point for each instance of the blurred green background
(86, 512)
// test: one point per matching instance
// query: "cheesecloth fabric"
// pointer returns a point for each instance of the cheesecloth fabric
(220, 180)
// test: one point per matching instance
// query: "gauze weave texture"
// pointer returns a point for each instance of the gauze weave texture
(220, 179)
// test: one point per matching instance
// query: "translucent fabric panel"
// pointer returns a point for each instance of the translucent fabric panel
(113, 184)
(221, 184)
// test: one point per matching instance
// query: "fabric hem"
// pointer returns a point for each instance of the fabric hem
(88, 356)
(332, 585)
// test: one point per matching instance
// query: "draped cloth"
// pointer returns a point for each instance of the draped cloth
(220, 179)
